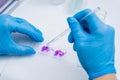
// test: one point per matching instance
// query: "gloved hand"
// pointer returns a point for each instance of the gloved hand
(9, 24)
(94, 43)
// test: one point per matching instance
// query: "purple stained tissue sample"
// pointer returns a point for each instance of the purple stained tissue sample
(45, 49)
(59, 52)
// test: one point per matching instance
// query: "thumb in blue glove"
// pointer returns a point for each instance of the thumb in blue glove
(9, 24)
(94, 43)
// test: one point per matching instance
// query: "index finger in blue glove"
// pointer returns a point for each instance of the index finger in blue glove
(93, 23)
(22, 26)
(80, 15)
(76, 29)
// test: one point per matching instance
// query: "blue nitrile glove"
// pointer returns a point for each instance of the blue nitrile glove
(94, 43)
(9, 24)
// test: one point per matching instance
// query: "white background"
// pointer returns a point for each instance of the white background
(51, 20)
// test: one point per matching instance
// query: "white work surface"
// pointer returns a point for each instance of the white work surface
(51, 20)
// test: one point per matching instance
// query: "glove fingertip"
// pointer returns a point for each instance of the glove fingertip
(38, 36)
(30, 51)
(71, 20)
(70, 39)
(39, 39)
